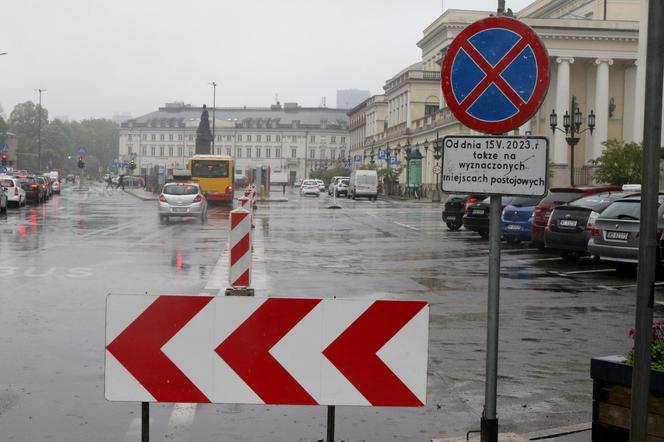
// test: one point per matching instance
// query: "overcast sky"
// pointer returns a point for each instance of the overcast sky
(99, 57)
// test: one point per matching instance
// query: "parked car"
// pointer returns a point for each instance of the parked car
(321, 185)
(341, 188)
(516, 220)
(55, 185)
(182, 200)
(333, 183)
(363, 183)
(43, 183)
(615, 235)
(476, 217)
(310, 187)
(569, 226)
(298, 182)
(15, 193)
(33, 190)
(4, 201)
(554, 198)
(455, 207)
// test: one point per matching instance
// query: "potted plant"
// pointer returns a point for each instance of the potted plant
(612, 384)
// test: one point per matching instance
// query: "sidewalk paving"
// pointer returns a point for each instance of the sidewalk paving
(572, 433)
(141, 193)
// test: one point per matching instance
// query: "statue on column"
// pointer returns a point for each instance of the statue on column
(203, 134)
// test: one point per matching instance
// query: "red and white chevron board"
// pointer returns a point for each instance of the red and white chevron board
(239, 244)
(295, 351)
(244, 202)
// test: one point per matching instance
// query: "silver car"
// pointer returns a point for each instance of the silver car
(615, 235)
(182, 200)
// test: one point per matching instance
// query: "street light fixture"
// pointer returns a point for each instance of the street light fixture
(437, 146)
(572, 128)
(214, 108)
(39, 129)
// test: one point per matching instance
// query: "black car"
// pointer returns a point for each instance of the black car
(34, 191)
(455, 207)
(569, 228)
(476, 217)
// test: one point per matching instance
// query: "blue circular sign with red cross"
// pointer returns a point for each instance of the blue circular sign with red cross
(495, 75)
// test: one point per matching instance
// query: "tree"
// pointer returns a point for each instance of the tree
(620, 163)
(3, 130)
(24, 122)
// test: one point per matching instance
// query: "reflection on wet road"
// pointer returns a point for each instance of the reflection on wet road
(59, 260)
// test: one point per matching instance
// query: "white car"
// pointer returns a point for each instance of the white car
(182, 200)
(310, 187)
(321, 185)
(15, 193)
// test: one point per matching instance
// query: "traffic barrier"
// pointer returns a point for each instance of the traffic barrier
(254, 197)
(239, 244)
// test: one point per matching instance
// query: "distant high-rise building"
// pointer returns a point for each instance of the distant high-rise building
(121, 117)
(349, 98)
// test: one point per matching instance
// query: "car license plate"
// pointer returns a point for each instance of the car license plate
(513, 227)
(478, 211)
(180, 209)
(450, 218)
(567, 222)
(617, 235)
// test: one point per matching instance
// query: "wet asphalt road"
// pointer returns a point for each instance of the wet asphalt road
(59, 260)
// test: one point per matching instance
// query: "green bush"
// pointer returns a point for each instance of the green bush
(619, 164)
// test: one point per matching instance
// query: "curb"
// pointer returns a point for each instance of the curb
(140, 197)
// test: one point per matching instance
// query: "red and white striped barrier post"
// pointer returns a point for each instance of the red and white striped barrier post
(246, 203)
(254, 197)
(239, 244)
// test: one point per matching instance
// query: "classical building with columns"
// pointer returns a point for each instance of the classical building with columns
(289, 138)
(593, 51)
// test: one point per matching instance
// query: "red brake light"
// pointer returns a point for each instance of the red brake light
(229, 189)
(198, 199)
(33, 186)
(162, 198)
(594, 231)
(470, 201)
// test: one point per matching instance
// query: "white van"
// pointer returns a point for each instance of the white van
(363, 183)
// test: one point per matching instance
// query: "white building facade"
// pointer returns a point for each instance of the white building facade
(289, 138)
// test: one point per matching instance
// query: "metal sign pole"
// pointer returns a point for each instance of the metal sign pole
(330, 423)
(489, 422)
(145, 422)
(648, 226)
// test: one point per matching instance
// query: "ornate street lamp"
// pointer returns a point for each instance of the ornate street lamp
(572, 130)
(437, 146)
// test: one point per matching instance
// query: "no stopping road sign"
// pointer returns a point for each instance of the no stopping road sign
(495, 75)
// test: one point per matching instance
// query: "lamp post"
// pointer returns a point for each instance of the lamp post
(39, 129)
(572, 130)
(372, 154)
(437, 146)
(214, 108)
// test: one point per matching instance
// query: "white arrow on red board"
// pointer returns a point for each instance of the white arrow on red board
(266, 351)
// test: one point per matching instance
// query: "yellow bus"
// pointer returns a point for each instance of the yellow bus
(214, 173)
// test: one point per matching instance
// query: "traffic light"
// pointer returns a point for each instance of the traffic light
(5, 158)
(132, 165)
(81, 161)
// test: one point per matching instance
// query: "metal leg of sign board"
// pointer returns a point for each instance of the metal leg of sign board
(489, 422)
(145, 422)
(330, 423)
(239, 291)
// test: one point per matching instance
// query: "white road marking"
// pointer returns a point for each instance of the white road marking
(580, 272)
(134, 432)
(180, 421)
(406, 226)
(557, 258)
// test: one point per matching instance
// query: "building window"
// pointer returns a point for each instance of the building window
(278, 138)
(248, 152)
(293, 153)
(191, 138)
(218, 150)
(333, 139)
(144, 137)
(129, 137)
(343, 140)
(312, 138)
(248, 137)
(153, 137)
(239, 137)
(342, 155)
(322, 154)
(152, 150)
(161, 150)
(268, 138)
(294, 138)
(267, 152)
(228, 151)
(180, 137)
(228, 138)
(430, 109)
(144, 151)
(170, 151)
(170, 137)
(218, 137)
(180, 151)
(277, 153)
(129, 149)
(332, 157)
(312, 154)
(258, 152)
(238, 152)
(161, 137)
(258, 138)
